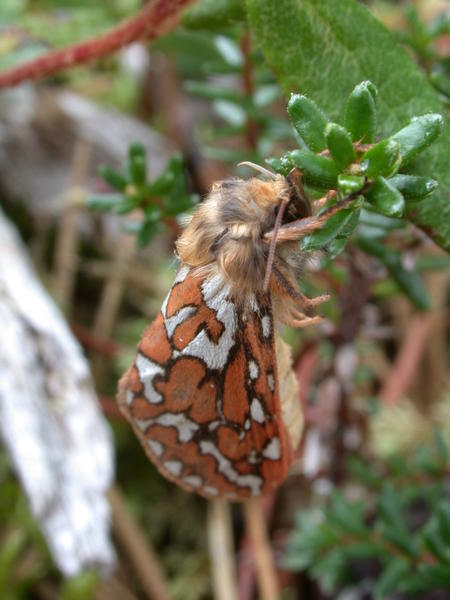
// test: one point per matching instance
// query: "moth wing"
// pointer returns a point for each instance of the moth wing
(203, 394)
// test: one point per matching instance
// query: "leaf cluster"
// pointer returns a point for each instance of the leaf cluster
(403, 524)
(347, 158)
(158, 201)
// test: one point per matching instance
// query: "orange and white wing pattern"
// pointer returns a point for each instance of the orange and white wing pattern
(203, 393)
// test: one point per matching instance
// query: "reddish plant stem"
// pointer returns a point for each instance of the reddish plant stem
(152, 21)
(305, 370)
(407, 360)
(246, 568)
(88, 339)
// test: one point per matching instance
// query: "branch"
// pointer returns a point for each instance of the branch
(152, 21)
(256, 526)
(220, 536)
(408, 359)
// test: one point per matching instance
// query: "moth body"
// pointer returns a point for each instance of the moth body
(211, 393)
(226, 234)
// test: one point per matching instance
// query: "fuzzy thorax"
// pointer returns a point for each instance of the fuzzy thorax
(226, 232)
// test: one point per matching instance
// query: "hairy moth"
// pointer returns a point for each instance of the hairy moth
(211, 393)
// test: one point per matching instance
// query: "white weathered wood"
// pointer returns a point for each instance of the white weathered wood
(39, 128)
(50, 421)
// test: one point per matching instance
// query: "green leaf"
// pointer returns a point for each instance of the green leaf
(436, 545)
(361, 113)
(413, 187)
(382, 159)
(138, 170)
(350, 183)
(309, 121)
(114, 178)
(340, 225)
(418, 135)
(385, 198)
(443, 515)
(136, 150)
(340, 145)
(441, 445)
(330, 569)
(148, 231)
(105, 202)
(436, 575)
(346, 515)
(323, 49)
(281, 165)
(212, 91)
(393, 574)
(408, 280)
(317, 170)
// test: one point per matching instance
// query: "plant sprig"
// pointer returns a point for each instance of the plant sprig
(412, 560)
(347, 159)
(158, 201)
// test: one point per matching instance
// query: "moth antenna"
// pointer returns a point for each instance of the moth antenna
(259, 168)
(273, 243)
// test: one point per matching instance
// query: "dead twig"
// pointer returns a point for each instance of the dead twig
(221, 551)
(66, 251)
(407, 359)
(246, 566)
(138, 549)
(111, 299)
(255, 521)
(88, 339)
(152, 21)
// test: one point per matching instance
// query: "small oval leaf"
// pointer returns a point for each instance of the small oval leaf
(309, 121)
(361, 113)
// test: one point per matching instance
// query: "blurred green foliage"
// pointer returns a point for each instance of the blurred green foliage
(157, 201)
(423, 38)
(401, 522)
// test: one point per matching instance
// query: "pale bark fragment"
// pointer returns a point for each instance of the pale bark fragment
(50, 422)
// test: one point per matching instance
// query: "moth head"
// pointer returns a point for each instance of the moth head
(269, 194)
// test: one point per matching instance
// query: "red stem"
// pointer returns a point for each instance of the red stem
(408, 359)
(153, 20)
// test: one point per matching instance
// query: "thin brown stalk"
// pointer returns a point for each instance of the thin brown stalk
(266, 575)
(90, 340)
(111, 299)
(66, 251)
(221, 552)
(152, 21)
(138, 549)
(407, 360)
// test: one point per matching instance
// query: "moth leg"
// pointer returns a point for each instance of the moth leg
(298, 229)
(284, 287)
(320, 203)
(299, 324)
(299, 320)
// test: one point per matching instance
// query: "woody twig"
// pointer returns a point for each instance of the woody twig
(221, 551)
(266, 576)
(152, 21)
